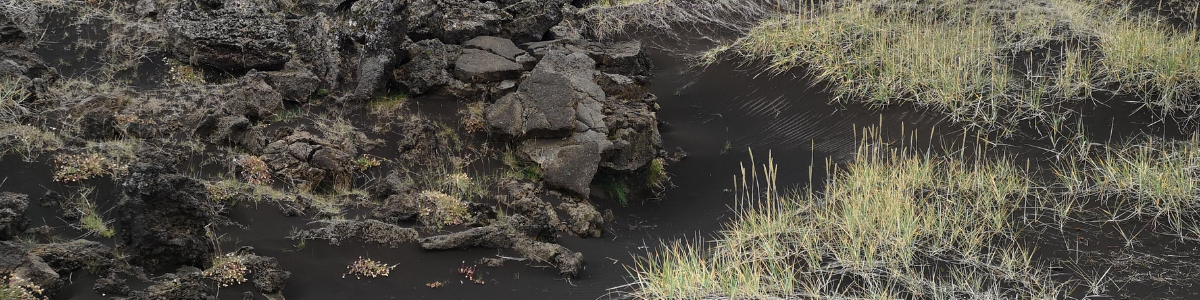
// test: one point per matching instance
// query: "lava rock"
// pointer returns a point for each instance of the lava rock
(15, 261)
(429, 67)
(12, 214)
(565, 165)
(568, 262)
(481, 66)
(496, 45)
(585, 221)
(232, 37)
(111, 286)
(188, 283)
(626, 58)
(164, 216)
(294, 85)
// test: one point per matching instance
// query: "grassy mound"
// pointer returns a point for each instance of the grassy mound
(990, 63)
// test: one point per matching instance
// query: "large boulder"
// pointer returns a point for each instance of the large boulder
(317, 50)
(252, 97)
(543, 106)
(232, 36)
(627, 58)
(482, 66)
(429, 67)
(497, 45)
(294, 85)
(634, 134)
(565, 165)
(164, 216)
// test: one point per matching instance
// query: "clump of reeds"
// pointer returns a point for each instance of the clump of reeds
(975, 60)
(1152, 178)
(881, 222)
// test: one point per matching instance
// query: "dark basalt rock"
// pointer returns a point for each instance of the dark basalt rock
(76, 255)
(164, 214)
(496, 45)
(188, 283)
(567, 166)
(429, 68)
(481, 66)
(12, 214)
(294, 85)
(237, 36)
(16, 261)
(569, 263)
(111, 286)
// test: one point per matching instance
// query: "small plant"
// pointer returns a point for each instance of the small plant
(16, 288)
(369, 268)
(725, 148)
(520, 170)
(364, 162)
(12, 94)
(90, 220)
(185, 73)
(102, 159)
(656, 174)
(469, 273)
(76, 167)
(473, 117)
(27, 141)
(253, 169)
(228, 270)
(617, 190)
(387, 105)
(439, 209)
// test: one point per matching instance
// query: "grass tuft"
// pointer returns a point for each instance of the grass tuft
(894, 221)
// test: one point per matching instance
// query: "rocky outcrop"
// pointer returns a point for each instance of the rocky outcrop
(569, 263)
(12, 214)
(295, 85)
(27, 71)
(232, 35)
(164, 215)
